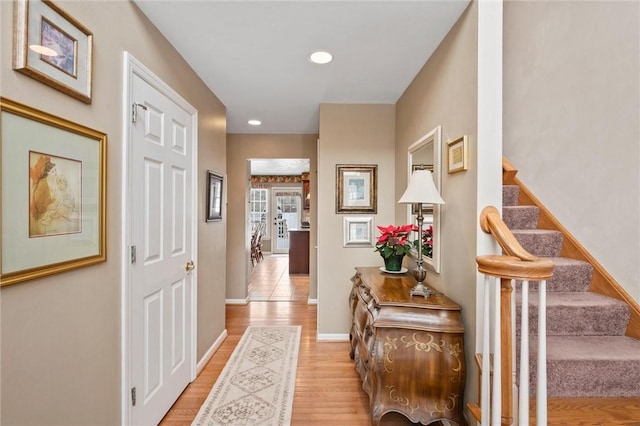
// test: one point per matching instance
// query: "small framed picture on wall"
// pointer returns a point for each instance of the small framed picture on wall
(457, 155)
(214, 196)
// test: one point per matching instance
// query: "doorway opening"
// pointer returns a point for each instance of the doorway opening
(276, 202)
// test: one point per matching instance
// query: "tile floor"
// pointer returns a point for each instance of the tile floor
(270, 281)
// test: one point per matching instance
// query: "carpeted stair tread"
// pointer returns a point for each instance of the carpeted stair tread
(510, 195)
(520, 217)
(568, 275)
(587, 353)
(577, 313)
(539, 242)
(590, 366)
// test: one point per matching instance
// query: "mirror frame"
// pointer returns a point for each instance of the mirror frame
(434, 137)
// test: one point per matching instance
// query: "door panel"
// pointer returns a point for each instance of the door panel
(152, 344)
(153, 178)
(178, 197)
(161, 199)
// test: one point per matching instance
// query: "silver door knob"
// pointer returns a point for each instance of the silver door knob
(190, 266)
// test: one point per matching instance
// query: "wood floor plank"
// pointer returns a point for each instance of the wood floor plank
(328, 390)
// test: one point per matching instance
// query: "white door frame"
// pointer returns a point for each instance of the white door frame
(134, 67)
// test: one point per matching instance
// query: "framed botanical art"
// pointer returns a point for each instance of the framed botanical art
(457, 155)
(214, 196)
(52, 47)
(53, 194)
(356, 188)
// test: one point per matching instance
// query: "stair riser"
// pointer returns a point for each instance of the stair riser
(520, 217)
(543, 244)
(575, 278)
(510, 195)
(568, 379)
(593, 321)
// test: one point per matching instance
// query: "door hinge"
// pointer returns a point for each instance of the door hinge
(133, 396)
(134, 110)
(133, 254)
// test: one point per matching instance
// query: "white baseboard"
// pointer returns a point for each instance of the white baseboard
(312, 301)
(332, 337)
(237, 301)
(212, 350)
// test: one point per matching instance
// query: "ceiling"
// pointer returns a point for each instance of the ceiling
(254, 54)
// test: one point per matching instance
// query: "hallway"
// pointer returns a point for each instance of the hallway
(270, 281)
(328, 390)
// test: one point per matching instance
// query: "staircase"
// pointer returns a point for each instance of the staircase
(588, 353)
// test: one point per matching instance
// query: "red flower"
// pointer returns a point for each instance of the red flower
(394, 240)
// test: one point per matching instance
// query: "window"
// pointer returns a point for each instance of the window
(259, 208)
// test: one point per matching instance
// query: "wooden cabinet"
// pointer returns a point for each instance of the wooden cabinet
(298, 252)
(408, 350)
(306, 192)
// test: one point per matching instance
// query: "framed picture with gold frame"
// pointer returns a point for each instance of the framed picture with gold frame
(356, 188)
(52, 47)
(457, 155)
(53, 194)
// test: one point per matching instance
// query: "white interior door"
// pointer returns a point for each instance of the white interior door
(162, 239)
(286, 216)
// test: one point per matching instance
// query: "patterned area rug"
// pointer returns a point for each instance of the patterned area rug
(257, 383)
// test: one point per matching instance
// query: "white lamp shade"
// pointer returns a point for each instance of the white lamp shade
(421, 190)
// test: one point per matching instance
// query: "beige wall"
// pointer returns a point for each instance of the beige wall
(60, 348)
(349, 134)
(241, 148)
(445, 93)
(571, 121)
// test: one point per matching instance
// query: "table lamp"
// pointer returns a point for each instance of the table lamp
(421, 190)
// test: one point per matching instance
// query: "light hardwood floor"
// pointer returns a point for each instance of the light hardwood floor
(328, 390)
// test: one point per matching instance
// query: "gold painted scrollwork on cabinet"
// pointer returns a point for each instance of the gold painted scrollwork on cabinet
(408, 350)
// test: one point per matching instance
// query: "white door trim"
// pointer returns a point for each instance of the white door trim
(134, 67)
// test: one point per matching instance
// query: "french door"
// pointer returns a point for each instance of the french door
(286, 216)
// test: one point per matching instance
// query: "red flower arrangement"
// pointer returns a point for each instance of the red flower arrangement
(394, 240)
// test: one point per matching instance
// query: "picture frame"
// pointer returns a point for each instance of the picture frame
(52, 47)
(357, 231)
(457, 155)
(214, 196)
(427, 209)
(53, 194)
(356, 188)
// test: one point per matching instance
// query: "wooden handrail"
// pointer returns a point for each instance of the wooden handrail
(515, 264)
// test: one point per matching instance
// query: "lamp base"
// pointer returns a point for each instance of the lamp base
(420, 290)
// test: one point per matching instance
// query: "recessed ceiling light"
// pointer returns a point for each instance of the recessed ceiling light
(255, 122)
(43, 50)
(321, 57)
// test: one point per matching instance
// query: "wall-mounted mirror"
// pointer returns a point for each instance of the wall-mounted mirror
(426, 152)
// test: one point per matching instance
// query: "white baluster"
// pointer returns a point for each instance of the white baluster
(541, 382)
(496, 412)
(523, 399)
(486, 368)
